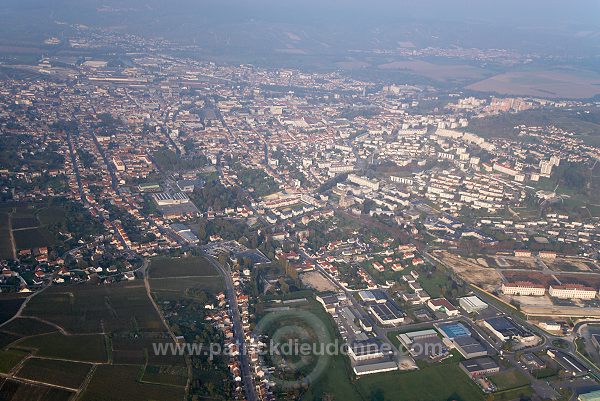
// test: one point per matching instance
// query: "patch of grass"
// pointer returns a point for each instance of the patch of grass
(434, 283)
(61, 373)
(120, 383)
(87, 348)
(545, 372)
(439, 382)
(509, 379)
(514, 394)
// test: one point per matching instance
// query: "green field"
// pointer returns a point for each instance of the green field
(137, 349)
(10, 358)
(435, 383)
(61, 373)
(87, 348)
(508, 379)
(120, 383)
(178, 267)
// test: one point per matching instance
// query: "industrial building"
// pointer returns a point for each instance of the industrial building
(185, 233)
(505, 329)
(371, 348)
(423, 343)
(469, 347)
(376, 367)
(480, 366)
(472, 304)
(377, 296)
(388, 313)
(569, 363)
(330, 300)
(166, 199)
(453, 330)
(460, 337)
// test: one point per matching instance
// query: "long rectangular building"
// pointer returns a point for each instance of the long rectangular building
(480, 366)
(526, 288)
(572, 291)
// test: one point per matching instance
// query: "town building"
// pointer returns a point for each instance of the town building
(572, 291)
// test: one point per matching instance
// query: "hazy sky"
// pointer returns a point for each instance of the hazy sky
(537, 25)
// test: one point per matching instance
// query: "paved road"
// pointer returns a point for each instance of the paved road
(247, 376)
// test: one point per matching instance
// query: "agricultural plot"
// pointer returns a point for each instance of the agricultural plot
(51, 215)
(60, 373)
(10, 358)
(6, 339)
(6, 247)
(138, 349)
(82, 308)
(33, 238)
(174, 288)
(19, 223)
(124, 312)
(120, 383)
(27, 327)
(15, 391)
(9, 305)
(169, 375)
(38, 224)
(181, 267)
(172, 278)
(86, 348)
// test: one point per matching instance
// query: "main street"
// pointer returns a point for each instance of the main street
(238, 330)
